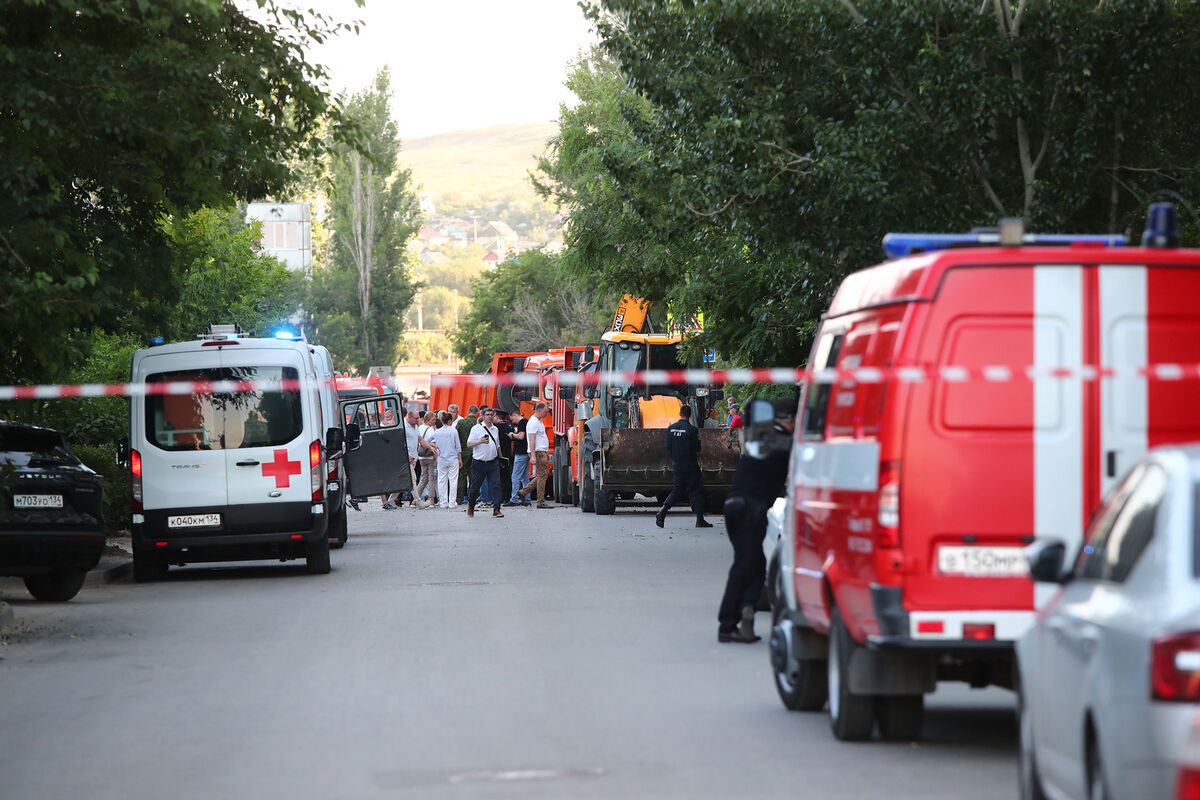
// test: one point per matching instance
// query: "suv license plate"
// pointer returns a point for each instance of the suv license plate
(194, 521)
(37, 501)
(988, 562)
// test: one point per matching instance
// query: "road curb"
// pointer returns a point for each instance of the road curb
(110, 570)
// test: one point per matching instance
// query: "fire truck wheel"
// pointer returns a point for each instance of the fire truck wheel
(316, 557)
(806, 690)
(851, 716)
(606, 502)
(900, 716)
(587, 495)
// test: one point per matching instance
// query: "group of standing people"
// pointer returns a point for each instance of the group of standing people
(485, 454)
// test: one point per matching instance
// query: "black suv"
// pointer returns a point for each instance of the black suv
(51, 512)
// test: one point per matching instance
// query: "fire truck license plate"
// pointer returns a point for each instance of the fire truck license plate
(37, 501)
(194, 521)
(991, 562)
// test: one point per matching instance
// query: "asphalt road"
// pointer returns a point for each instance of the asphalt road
(549, 654)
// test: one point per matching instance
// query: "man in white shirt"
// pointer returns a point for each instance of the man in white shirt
(484, 441)
(449, 452)
(539, 451)
(414, 440)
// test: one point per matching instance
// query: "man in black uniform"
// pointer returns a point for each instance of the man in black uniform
(505, 429)
(683, 440)
(756, 484)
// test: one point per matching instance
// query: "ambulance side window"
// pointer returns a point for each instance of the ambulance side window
(816, 400)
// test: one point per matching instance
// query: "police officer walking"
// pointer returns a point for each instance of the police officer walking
(756, 484)
(683, 440)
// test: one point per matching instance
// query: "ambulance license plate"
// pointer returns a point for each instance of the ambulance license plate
(988, 562)
(194, 521)
(37, 501)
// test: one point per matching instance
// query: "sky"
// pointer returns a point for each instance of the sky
(459, 64)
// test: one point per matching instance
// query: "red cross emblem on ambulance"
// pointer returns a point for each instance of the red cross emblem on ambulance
(281, 469)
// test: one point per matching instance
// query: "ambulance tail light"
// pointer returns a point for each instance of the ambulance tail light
(318, 478)
(1175, 668)
(889, 504)
(135, 473)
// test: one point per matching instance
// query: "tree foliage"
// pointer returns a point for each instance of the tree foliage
(529, 303)
(359, 299)
(116, 114)
(769, 144)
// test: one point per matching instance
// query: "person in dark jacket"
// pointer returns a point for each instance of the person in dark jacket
(756, 484)
(683, 441)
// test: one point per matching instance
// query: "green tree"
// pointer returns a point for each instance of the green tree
(529, 303)
(222, 277)
(115, 114)
(373, 214)
(776, 141)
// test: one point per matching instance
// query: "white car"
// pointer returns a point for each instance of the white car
(1109, 674)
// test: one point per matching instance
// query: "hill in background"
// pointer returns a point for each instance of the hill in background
(477, 169)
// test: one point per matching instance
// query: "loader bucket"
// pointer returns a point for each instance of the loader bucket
(636, 459)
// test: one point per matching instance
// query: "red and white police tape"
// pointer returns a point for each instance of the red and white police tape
(702, 377)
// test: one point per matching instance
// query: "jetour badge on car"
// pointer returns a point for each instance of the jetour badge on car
(194, 521)
(37, 501)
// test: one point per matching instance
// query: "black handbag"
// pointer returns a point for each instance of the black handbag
(504, 462)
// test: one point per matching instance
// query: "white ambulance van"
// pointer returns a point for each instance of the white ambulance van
(331, 416)
(241, 473)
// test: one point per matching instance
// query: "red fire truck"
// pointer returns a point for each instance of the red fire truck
(911, 501)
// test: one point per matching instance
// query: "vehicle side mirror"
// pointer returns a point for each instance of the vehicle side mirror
(123, 453)
(353, 436)
(566, 393)
(761, 437)
(760, 412)
(335, 440)
(716, 394)
(1046, 562)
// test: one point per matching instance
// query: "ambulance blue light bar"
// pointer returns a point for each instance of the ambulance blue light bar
(898, 245)
(286, 335)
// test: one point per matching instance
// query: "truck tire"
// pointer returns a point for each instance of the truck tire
(316, 557)
(808, 689)
(337, 530)
(606, 502)
(587, 494)
(556, 479)
(900, 716)
(147, 566)
(57, 587)
(851, 716)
